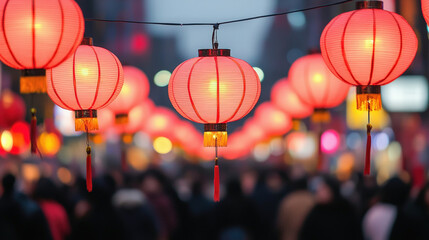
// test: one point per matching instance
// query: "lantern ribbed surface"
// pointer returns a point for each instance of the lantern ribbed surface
(214, 89)
(368, 46)
(315, 84)
(90, 79)
(284, 97)
(37, 34)
(134, 91)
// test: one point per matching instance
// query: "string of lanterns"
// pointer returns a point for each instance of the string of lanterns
(367, 48)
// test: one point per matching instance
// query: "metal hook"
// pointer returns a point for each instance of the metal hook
(215, 43)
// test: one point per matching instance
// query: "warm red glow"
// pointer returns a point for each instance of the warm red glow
(284, 97)
(368, 46)
(133, 92)
(140, 43)
(136, 117)
(21, 137)
(90, 79)
(160, 123)
(41, 35)
(12, 108)
(272, 120)
(315, 84)
(214, 89)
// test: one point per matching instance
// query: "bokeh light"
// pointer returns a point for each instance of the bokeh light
(354, 140)
(330, 141)
(162, 145)
(260, 73)
(162, 78)
(64, 175)
(381, 141)
(300, 145)
(6, 140)
(296, 20)
(261, 152)
(30, 172)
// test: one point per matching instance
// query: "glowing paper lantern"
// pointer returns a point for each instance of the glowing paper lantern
(316, 85)
(160, 123)
(214, 89)
(133, 92)
(49, 142)
(89, 80)
(12, 108)
(284, 97)
(368, 47)
(136, 117)
(37, 35)
(272, 120)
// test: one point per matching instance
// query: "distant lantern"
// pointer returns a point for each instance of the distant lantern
(214, 89)
(425, 10)
(12, 108)
(316, 85)
(285, 98)
(368, 47)
(272, 120)
(134, 91)
(89, 80)
(37, 35)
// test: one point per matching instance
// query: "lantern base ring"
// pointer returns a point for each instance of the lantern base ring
(121, 119)
(90, 113)
(214, 52)
(321, 115)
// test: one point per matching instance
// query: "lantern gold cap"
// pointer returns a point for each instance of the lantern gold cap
(369, 5)
(86, 41)
(214, 52)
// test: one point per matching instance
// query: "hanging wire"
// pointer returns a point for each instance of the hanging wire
(215, 43)
(218, 23)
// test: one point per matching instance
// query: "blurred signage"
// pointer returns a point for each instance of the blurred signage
(406, 94)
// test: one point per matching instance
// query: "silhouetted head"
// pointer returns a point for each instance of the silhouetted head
(8, 183)
(395, 191)
(45, 189)
(233, 188)
(328, 190)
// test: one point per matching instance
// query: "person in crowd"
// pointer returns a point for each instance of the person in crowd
(418, 214)
(45, 195)
(135, 212)
(332, 217)
(201, 211)
(236, 215)
(293, 209)
(386, 219)
(268, 193)
(20, 217)
(96, 217)
(153, 189)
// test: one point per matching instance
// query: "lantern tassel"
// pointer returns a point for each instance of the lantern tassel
(88, 169)
(320, 153)
(216, 177)
(33, 131)
(367, 167)
(90, 123)
(33, 81)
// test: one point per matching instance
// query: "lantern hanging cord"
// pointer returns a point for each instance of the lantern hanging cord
(218, 23)
(215, 43)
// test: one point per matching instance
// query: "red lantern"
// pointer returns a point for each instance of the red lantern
(12, 107)
(316, 85)
(21, 137)
(272, 120)
(214, 89)
(160, 123)
(89, 80)
(133, 92)
(368, 47)
(284, 97)
(37, 35)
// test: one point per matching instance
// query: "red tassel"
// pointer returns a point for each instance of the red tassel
(33, 129)
(367, 168)
(216, 183)
(124, 164)
(88, 169)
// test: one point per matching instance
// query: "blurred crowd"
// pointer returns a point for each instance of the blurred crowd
(257, 203)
